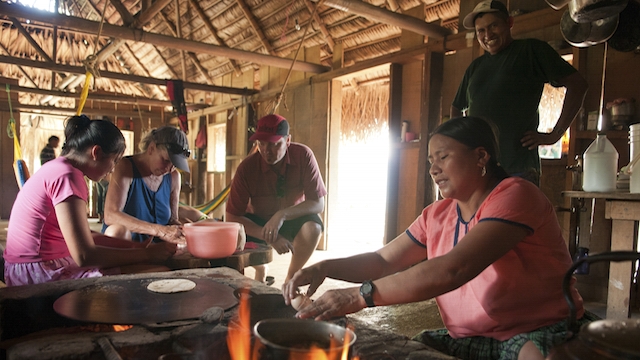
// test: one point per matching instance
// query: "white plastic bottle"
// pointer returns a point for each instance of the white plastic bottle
(600, 162)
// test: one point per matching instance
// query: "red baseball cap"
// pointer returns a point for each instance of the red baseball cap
(271, 128)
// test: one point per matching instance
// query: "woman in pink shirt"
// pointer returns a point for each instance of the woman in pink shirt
(495, 258)
(49, 238)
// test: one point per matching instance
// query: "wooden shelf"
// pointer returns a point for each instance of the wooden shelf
(611, 134)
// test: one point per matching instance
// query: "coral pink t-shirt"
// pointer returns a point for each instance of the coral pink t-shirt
(34, 234)
(521, 291)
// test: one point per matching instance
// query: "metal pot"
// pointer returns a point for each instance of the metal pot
(293, 339)
(601, 339)
(587, 34)
(585, 11)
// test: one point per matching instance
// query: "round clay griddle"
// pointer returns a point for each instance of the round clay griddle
(128, 302)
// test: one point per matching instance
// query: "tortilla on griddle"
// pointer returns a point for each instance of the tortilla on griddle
(170, 286)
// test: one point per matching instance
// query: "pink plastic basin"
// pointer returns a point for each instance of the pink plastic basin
(211, 239)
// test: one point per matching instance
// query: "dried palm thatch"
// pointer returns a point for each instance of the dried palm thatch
(365, 112)
(265, 27)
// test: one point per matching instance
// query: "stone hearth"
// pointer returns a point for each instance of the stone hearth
(31, 329)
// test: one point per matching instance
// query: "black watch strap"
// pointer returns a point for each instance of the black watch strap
(366, 291)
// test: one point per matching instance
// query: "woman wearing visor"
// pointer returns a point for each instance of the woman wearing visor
(143, 196)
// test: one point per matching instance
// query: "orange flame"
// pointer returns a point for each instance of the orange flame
(118, 328)
(240, 346)
(239, 334)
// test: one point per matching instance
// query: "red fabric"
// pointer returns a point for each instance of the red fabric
(201, 138)
(175, 91)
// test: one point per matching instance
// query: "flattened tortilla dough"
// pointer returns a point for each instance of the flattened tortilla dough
(169, 286)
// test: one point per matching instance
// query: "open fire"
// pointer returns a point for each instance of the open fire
(242, 346)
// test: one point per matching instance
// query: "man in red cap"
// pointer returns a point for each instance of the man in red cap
(277, 194)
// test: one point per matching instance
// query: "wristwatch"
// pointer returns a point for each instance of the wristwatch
(366, 291)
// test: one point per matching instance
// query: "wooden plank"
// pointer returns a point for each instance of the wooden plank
(409, 39)
(431, 116)
(623, 210)
(331, 180)
(320, 118)
(395, 121)
(620, 273)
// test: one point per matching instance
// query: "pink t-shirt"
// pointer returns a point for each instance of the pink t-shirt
(34, 234)
(521, 291)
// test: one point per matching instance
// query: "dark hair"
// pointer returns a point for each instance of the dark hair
(53, 137)
(475, 132)
(81, 133)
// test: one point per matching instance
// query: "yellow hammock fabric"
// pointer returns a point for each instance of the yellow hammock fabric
(19, 165)
(214, 203)
(85, 93)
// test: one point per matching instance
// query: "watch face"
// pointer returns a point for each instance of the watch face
(366, 288)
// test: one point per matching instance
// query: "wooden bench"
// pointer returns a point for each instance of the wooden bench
(263, 254)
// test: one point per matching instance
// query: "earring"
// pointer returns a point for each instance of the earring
(484, 171)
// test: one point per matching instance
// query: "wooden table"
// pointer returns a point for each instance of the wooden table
(263, 254)
(623, 208)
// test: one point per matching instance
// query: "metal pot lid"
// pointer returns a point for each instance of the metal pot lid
(618, 338)
(603, 29)
(586, 11)
(587, 34)
(128, 302)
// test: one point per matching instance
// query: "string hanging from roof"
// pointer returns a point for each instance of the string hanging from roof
(90, 66)
(278, 99)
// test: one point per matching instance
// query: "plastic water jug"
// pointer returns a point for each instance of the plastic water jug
(600, 162)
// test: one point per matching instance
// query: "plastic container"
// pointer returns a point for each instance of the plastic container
(600, 162)
(210, 239)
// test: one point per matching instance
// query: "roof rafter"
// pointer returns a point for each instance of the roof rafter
(123, 77)
(318, 21)
(255, 26)
(213, 32)
(157, 39)
(192, 56)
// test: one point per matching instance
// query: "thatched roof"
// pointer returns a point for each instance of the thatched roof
(270, 28)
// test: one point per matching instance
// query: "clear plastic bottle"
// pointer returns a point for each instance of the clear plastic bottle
(600, 162)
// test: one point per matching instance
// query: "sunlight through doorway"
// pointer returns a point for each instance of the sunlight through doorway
(362, 170)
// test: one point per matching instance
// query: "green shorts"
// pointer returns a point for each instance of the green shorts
(484, 348)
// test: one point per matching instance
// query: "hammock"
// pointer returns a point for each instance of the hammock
(214, 203)
(19, 165)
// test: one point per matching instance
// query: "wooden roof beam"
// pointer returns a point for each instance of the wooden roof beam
(24, 73)
(30, 39)
(389, 17)
(126, 16)
(213, 32)
(91, 27)
(123, 99)
(318, 20)
(123, 77)
(255, 26)
(140, 21)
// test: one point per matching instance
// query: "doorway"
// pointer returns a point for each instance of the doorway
(362, 170)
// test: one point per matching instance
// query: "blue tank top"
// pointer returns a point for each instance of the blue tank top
(147, 205)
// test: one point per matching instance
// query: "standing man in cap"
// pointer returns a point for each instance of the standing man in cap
(505, 86)
(277, 194)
